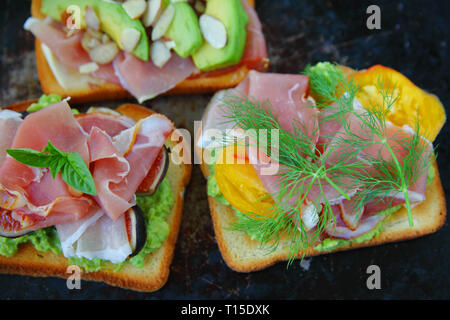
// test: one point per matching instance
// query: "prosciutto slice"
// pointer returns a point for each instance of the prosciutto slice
(376, 150)
(286, 95)
(9, 123)
(145, 80)
(340, 229)
(255, 53)
(111, 124)
(106, 72)
(31, 194)
(122, 163)
(68, 50)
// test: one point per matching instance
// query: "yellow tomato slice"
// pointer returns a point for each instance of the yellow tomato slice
(240, 184)
(412, 104)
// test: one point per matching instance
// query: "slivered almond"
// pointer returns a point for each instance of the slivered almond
(170, 44)
(152, 13)
(135, 8)
(94, 33)
(160, 53)
(104, 53)
(213, 31)
(88, 42)
(163, 23)
(129, 39)
(88, 67)
(92, 19)
(105, 38)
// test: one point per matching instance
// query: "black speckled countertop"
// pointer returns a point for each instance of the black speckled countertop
(413, 39)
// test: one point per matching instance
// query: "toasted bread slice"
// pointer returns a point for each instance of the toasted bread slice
(109, 91)
(154, 274)
(243, 254)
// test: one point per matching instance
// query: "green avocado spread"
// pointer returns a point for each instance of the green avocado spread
(155, 207)
(45, 101)
(327, 244)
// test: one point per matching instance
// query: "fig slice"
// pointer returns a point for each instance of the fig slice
(156, 174)
(136, 229)
(10, 228)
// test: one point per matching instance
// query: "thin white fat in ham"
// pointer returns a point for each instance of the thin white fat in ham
(69, 233)
(106, 239)
(96, 236)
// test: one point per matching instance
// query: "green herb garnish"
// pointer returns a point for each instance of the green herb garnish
(304, 168)
(70, 164)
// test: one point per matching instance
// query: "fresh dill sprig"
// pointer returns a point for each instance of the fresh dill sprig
(406, 157)
(301, 168)
(344, 166)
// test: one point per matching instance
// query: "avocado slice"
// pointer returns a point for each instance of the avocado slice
(112, 16)
(232, 14)
(185, 30)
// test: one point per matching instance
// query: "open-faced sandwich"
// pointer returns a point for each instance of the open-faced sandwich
(98, 190)
(93, 50)
(328, 160)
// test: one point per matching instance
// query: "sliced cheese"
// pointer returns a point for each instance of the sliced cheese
(67, 78)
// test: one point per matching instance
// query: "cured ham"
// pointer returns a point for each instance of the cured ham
(286, 94)
(120, 154)
(122, 163)
(255, 52)
(327, 136)
(111, 124)
(106, 72)
(376, 151)
(339, 229)
(145, 80)
(31, 194)
(9, 123)
(141, 78)
(68, 50)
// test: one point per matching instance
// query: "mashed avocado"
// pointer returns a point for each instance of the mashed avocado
(45, 101)
(155, 207)
(43, 240)
(327, 244)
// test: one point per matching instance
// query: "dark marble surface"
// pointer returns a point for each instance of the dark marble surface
(413, 39)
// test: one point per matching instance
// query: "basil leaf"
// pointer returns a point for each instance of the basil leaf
(77, 175)
(51, 149)
(72, 167)
(55, 165)
(30, 157)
